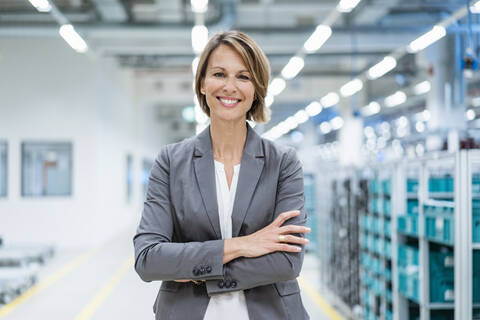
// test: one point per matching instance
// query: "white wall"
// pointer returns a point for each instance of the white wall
(49, 92)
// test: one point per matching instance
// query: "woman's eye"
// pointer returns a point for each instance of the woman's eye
(244, 77)
(218, 74)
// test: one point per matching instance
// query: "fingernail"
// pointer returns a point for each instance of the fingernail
(299, 249)
(307, 241)
(308, 229)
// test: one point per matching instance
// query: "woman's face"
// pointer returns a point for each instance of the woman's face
(227, 85)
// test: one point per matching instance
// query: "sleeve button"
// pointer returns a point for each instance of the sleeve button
(234, 284)
(202, 270)
(228, 284)
(209, 269)
(195, 271)
(221, 284)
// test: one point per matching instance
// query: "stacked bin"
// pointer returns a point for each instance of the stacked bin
(408, 272)
(441, 275)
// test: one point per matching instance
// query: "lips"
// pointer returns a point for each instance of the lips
(228, 101)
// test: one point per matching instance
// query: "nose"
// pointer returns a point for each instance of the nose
(229, 85)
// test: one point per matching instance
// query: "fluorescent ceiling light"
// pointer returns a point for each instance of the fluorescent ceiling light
(199, 6)
(470, 114)
(426, 115)
(325, 127)
(199, 38)
(41, 5)
(329, 100)
(336, 123)
(351, 87)
(371, 109)
(388, 63)
(293, 67)
(475, 8)
(313, 108)
(276, 86)
(291, 123)
(301, 116)
(269, 100)
(420, 126)
(422, 87)
(395, 99)
(427, 39)
(318, 38)
(347, 5)
(69, 34)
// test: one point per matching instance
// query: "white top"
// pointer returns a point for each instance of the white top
(229, 305)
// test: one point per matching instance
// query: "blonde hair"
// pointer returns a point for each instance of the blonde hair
(257, 65)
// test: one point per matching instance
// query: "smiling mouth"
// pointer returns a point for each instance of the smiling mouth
(228, 102)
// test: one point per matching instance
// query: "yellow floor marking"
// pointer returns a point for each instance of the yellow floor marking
(319, 301)
(57, 275)
(93, 305)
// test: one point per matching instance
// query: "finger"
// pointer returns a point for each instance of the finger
(294, 239)
(294, 229)
(284, 216)
(285, 247)
(183, 280)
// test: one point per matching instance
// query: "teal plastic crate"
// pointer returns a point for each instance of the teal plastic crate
(386, 187)
(476, 276)
(441, 184)
(412, 206)
(387, 229)
(439, 208)
(408, 224)
(441, 276)
(374, 205)
(387, 249)
(388, 315)
(476, 183)
(407, 256)
(387, 207)
(439, 228)
(375, 187)
(412, 185)
(409, 284)
(476, 228)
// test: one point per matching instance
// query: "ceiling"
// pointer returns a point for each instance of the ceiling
(154, 35)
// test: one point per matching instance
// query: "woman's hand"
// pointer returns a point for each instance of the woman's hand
(273, 237)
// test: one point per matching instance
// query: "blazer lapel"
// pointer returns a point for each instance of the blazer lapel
(250, 170)
(205, 173)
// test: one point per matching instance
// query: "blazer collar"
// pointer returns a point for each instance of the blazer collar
(250, 170)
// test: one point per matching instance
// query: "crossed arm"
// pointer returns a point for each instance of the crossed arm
(253, 260)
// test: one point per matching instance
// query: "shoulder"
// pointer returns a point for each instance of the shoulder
(178, 150)
(275, 152)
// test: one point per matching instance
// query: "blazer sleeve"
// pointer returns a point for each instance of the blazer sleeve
(277, 266)
(156, 256)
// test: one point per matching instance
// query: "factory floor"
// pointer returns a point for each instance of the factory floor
(100, 283)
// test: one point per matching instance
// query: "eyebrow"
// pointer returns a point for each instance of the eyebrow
(218, 67)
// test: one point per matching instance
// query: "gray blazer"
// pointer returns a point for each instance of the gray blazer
(179, 233)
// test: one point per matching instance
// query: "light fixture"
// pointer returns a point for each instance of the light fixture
(199, 6)
(388, 63)
(325, 127)
(291, 123)
(276, 86)
(476, 102)
(395, 99)
(370, 109)
(199, 38)
(69, 34)
(470, 114)
(293, 67)
(420, 126)
(188, 114)
(427, 39)
(313, 108)
(329, 100)
(426, 115)
(369, 132)
(475, 8)
(422, 87)
(301, 116)
(351, 87)
(347, 5)
(41, 5)
(318, 38)
(269, 100)
(336, 123)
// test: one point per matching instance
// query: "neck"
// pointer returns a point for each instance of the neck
(228, 140)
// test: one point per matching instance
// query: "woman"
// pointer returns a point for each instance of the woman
(224, 221)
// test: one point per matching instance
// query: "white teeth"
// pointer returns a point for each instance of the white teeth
(228, 101)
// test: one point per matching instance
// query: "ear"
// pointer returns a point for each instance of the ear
(202, 86)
